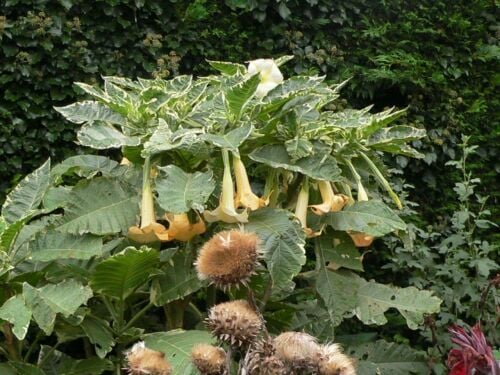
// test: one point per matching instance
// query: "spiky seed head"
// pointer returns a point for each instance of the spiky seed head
(209, 359)
(261, 359)
(229, 258)
(332, 361)
(297, 349)
(235, 322)
(144, 361)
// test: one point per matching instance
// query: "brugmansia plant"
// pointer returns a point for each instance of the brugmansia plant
(90, 247)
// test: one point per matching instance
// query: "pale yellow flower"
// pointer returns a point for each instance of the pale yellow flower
(301, 210)
(270, 75)
(331, 202)
(244, 194)
(182, 229)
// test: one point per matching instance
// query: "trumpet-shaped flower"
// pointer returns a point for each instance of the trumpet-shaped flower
(182, 229)
(149, 231)
(226, 210)
(301, 210)
(331, 202)
(244, 194)
(270, 75)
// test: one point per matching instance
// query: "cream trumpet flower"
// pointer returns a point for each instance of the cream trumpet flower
(270, 75)
(226, 211)
(149, 231)
(331, 202)
(301, 209)
(244, 194)
(182, 229)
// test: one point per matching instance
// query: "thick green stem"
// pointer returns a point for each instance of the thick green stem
(362, 196)
(174, 312)
(12, 342)
(137, 317)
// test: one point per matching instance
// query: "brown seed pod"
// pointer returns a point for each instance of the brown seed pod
(229, 258)
(209, 359)
(332, 361)
(235, 322)
(261, 359)
(142, 361)
(298, 350)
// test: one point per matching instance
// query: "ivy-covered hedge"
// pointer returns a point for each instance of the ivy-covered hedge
(437, 57)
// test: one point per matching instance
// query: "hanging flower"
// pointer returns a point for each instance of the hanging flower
(270, 75)
(181, 229)
(226, 211)
(149, 231)
(244, 194)
(301, 209)
(331, 202)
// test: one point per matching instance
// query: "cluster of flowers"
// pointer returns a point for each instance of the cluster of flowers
(228, 260)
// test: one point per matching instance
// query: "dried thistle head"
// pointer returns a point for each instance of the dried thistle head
(209, 359)
(261, 359)
(298, 350)
(144, 361)
(235, 322)
(332, 361)
(229, 258)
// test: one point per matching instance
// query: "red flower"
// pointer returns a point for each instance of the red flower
(474, 355)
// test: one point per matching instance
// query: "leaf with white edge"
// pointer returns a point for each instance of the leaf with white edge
(386, 358)
(177, 346)
(163, 139)
(372, 217)
(27, 195)
(375, 299)
(238, 96)
(283, 59)
(231, 140)
(54, 245)
(399, 149)
(298, 148)
(100, 206)
(10, 235)
(178, 191)
(17, 313)
(120, 275)
(349, 118)
(101, 136)
(381, 120)
(58, 363)
(99, 333)
(177, 280)
(90, 111)
(395, 134)
(318, 166)
(283, 241)
(84, 166)
(228, 68)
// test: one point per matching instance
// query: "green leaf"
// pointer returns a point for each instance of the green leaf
(177, 280)
(26, 369)
(58, 363)
(386, 358)
(372, 217)
(6, 369)
(283, 243)
(318, 166)
(54, 245)
(56, 197)
(232, 140)
(100, 206)
(179, 191)
(27, 195)
(90, 111)
(177, 346)
(163, 139)
(239, 95)
(298, 148)
(99, 333)
(17, 313)
(342, 254)
(85, 166)
(283, 59)
(228, 67)
(101, 136)
(120, 275)
(400, 133)
(375, 299)
(10, 234)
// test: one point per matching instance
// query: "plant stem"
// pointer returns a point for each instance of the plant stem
(12, 342)
(38, 337)
(174, 312)
(136, 317)
(229, 360)
(48, 354)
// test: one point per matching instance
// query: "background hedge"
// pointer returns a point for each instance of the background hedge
(437, 57)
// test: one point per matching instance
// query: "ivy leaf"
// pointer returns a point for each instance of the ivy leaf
(90, 111)
(375, 299)
(318, 166)
(232, 140)
(101, 136)
(54, 245)
(179, 191)
(372, 217)
(120, 275)
(100, 206)
(177, 280)
(239, 95)
(17, 313)
(384, 358)
(283, 243)
(27, 195)
(177, 346)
